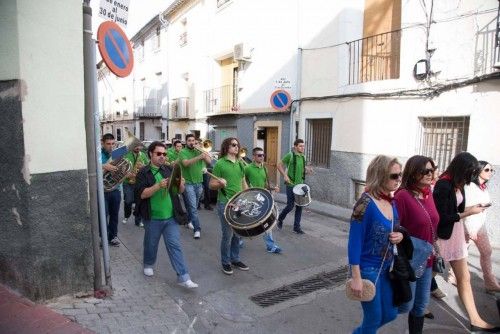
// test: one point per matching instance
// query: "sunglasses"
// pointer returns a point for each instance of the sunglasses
(395, 176)
(159, 154)
(427, 171)
(260, 155)
(489, 170)
(235, 144)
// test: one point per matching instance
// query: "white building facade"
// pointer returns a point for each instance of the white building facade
(398, 78)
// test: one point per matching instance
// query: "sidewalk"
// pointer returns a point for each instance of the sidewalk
(21, 316)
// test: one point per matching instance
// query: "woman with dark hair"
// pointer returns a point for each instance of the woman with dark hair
(371, 237)
(477, 193)
(450, 199)
(418, 214)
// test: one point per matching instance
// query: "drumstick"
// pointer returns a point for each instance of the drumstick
(212, 175)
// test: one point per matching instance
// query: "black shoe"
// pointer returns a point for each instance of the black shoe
(240, 265)
(484, 330)
(208, 207)
(226, 268)
(298, 231)
(429, 315)
(280, 224)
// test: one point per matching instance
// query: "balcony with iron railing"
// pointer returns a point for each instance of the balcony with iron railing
(221, 100)
(375, 58)
(148, 108)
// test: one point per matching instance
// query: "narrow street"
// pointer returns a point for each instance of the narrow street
(222, 303)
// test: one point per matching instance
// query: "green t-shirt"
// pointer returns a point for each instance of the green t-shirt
(193, 173)
(255, 175)
(161, 204)
(172, 154)
(295, 169)
(140, 159)
(233, 173)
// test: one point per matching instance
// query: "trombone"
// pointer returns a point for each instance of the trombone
(243, 153)
(206, 146)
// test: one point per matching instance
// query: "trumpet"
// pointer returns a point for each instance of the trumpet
(243, 153)
(206, 146)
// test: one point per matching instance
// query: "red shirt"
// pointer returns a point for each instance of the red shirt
(414, 218)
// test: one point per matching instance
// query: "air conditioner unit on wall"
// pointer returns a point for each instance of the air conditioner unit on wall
(242, 52)
(173, 109)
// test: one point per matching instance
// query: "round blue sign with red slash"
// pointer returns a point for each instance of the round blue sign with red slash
(115, 49)
(280, 100)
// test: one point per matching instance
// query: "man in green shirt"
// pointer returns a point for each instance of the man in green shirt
(293, 169)
(137, 159)
(173, 152)
(156, 208)
(230, 180)
(191, 160)
(256, 177)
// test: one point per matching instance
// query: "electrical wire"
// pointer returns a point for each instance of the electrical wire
(425, 93)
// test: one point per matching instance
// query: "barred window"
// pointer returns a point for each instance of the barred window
(443, 137)
(318, 141)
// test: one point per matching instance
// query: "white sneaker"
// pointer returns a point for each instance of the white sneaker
(190, 226)
(188, 284)
(149, 272)
(197, 235)
(124, 221)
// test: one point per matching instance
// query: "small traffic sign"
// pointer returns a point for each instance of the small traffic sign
(115, 49)
(280, 100)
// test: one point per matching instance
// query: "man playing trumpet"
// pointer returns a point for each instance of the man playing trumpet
(191, 159)
(137, 159)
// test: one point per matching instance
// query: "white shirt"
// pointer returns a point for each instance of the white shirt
(473, 196)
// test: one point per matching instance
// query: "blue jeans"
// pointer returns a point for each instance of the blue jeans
(268, 239)
(420, 295)
(112, 201)
(128, 200)
(380, 310)
(153, 230)
(230, 242)
(290, 203)
(192, 195)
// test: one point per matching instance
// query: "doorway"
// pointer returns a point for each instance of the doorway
(271, 146)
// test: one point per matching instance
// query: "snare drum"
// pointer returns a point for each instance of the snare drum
(302, 194)
(251, 212)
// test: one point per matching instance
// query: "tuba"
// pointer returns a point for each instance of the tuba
(112, 180)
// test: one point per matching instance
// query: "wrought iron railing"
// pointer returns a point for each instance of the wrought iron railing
(221, 100)
(375, 58)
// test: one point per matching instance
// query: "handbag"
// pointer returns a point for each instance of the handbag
(369, 289)
(438, 264)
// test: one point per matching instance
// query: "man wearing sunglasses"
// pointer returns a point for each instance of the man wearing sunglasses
(156, 208)
(192, 163)
(293, 168)
(230, 180)
(256, 176)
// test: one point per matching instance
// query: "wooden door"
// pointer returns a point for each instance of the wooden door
(226, 94)
(272, 154)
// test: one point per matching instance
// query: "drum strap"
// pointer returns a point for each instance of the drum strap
(294, 165)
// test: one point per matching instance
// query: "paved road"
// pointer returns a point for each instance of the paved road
(221, 304)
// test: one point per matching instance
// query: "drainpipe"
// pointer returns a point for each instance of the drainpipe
(94, 167)
(298, 92)
(165, 24)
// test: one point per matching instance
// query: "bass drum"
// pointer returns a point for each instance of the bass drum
(251, 212)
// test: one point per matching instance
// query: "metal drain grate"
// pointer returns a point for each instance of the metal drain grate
(290, 291)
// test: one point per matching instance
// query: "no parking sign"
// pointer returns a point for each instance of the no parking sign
(115, 49)
(280, 100)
